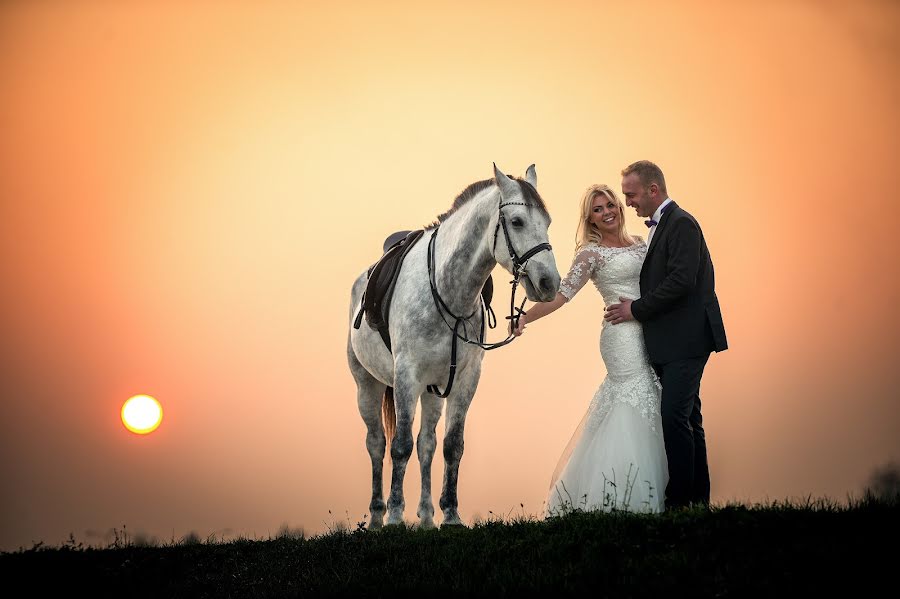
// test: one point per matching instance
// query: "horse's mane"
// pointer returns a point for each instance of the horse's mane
(532, 198)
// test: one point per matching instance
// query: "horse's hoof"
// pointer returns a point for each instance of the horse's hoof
(376, 524)
(453, 522)
(394, 518)
(426, 523)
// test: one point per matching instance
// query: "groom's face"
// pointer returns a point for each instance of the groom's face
(641, 198)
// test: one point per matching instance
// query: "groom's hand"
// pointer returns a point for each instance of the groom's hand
(618, 313)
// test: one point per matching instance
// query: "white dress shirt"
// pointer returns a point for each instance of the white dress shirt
(657, 216)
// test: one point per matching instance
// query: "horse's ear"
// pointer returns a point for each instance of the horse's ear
(531, 176)
(508, 187)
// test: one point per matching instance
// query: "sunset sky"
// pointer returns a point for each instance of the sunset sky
(188, 190)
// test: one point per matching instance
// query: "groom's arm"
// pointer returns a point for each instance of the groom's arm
(681, 271)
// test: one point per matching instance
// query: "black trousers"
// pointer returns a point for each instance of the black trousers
(683, 431)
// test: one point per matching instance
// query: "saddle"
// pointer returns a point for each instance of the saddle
(376, 300)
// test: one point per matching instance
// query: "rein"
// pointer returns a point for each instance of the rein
(519, 268)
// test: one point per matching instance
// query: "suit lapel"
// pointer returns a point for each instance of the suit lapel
(660, 230)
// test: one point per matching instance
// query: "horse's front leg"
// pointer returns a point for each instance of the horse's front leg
(454, 429)
(406, 391)
(426, 443)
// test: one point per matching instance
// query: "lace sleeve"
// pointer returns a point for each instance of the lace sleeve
(586, 261)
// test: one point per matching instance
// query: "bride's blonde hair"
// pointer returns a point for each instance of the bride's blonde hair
(587, 231)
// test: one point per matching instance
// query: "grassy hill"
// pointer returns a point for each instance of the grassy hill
(778, 549)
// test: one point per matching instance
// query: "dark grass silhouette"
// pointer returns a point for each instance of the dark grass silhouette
(774, 549)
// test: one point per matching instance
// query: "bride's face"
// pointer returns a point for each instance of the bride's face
(605, 215)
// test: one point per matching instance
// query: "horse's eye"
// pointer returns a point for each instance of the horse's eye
(517, 222)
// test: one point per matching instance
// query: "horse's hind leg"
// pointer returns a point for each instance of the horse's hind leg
(425, 446)
(369, 396)
(406, 392)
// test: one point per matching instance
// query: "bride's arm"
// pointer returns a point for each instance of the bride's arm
(539, 310)
(583, 265)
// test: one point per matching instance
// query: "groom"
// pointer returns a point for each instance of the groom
(682, 325)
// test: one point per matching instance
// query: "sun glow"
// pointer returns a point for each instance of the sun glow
(141, 414)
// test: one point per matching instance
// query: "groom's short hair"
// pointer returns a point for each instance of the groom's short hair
(648, 173)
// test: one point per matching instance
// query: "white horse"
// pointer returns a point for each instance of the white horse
(436, 302)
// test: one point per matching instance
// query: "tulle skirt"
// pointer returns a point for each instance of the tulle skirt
(617, 457)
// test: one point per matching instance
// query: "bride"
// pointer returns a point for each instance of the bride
(616, 458)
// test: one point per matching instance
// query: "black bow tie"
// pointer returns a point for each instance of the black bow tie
(653, 223)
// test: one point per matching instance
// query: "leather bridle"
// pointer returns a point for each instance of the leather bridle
(520, 264)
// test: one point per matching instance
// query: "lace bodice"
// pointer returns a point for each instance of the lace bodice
(614, 271)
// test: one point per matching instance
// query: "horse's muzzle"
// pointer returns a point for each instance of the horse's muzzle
(547, 283)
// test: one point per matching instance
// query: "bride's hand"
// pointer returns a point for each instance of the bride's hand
(522, 322)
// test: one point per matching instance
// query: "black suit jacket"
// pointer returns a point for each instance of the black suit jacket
(678, 307)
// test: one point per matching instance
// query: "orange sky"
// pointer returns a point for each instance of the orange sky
(187, 193)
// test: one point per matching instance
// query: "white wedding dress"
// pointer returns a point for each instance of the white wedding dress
(616, 458)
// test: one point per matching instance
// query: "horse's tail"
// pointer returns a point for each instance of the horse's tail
(390, 415)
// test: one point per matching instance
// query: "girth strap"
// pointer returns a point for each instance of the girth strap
(433, 389)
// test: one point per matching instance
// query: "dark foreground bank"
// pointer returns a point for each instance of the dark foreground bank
(730, 551)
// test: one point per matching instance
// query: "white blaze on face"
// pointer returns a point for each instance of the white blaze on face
(141, 414)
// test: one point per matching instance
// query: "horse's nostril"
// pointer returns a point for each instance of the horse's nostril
(545, 283)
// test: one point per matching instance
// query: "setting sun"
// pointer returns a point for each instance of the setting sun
(141, 414)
